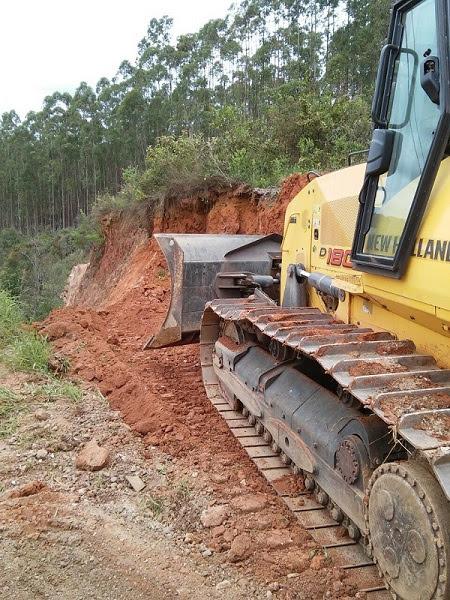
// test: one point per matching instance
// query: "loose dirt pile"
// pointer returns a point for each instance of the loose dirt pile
(159, 393)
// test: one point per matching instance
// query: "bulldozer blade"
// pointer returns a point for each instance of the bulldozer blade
(194, 261)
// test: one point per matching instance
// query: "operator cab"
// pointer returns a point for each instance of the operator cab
(412, 126)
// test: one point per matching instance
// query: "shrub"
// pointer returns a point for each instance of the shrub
(182, 166)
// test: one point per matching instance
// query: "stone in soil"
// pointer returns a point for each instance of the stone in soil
(135, 482)
(249, 503)
(223, 585)
(214, 516)
(92, 457)
(41, 415)
(277, 539)
(29, 489)
(241, 548)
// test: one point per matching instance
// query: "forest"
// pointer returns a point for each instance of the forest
(273, 87)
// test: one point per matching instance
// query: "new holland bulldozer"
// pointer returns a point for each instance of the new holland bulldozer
(334, 340)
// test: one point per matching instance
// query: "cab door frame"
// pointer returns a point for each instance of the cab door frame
(396, 266)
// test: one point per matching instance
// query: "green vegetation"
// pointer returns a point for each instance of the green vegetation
(21, 347)
(28, 352)
(34, 268)
(272, 87)
(10, 407)
(56, 389)
(154, 505)
(10, 318)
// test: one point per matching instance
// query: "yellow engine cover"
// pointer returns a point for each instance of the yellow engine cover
(318, 232)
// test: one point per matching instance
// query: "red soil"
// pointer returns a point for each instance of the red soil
(122, 302)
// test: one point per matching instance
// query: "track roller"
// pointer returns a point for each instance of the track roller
(276, 448)
(309, 484)
(259, 428)
(322, 497)
(267, 437)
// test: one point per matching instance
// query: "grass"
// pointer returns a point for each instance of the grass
(10, 318)
(155, 505)
(23, 349)
(55, 389)
(28, 351)
(183, 491)
(10, 407)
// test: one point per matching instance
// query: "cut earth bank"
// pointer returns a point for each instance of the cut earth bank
(228, 515)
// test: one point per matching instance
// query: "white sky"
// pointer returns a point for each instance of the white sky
(52, 45)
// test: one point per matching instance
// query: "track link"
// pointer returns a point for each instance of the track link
(313, 516)
(383, 374)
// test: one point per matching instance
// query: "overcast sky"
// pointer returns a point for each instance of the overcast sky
(49, 45)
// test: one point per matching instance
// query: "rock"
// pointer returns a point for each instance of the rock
(29, 489)
(277, 539)
(55, 331)
(274, 586)
(223, 585)
(146, 426)
(135, 482)
(214, 516)
(207, 553)
(337, 586)
(318, 562)
(188, 538)
(218, 531)
(249, 503)
(92, 457)
(293, 575)
(269, 594)
(41, 454)
(241, 548)
(219, 477)
(229, 535)
(41, 415)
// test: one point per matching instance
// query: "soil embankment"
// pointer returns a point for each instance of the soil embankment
(122, 300)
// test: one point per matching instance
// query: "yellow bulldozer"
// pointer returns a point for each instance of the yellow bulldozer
(334, 341)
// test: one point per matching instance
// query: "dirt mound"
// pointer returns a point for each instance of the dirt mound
(123, 300)
(160, 394)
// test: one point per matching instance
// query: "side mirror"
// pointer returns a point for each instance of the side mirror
(429, 78)
(380, 152)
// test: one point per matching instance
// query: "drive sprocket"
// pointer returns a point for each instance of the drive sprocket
(408, 520)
